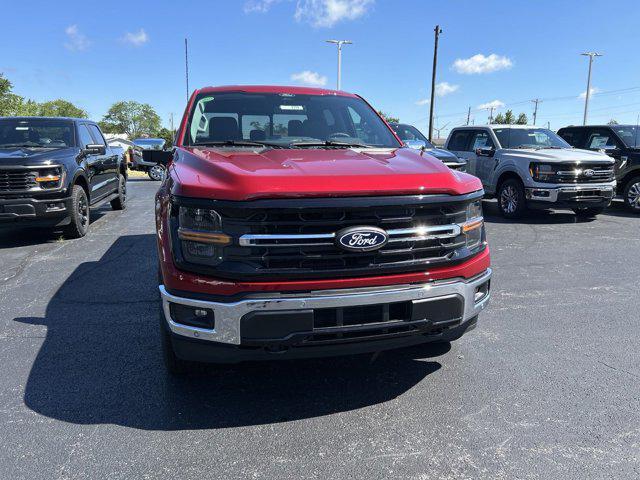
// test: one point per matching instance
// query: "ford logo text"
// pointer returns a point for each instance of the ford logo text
(362, 239)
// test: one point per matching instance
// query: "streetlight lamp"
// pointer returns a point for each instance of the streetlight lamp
(339, 44)
(588, 92)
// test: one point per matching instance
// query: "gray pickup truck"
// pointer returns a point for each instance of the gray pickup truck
(531, 167)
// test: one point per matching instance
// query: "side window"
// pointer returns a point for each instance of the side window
(85, 136)
(601, 139)
(459, 141)
(481, 139)
(97, 136)
(575, 138)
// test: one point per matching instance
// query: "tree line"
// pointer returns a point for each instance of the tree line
(132, 118)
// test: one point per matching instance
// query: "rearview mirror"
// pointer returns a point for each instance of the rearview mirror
(485, 152)
(94, 149)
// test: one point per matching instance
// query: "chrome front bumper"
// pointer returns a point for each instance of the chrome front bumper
(551, 194)
(228, 315)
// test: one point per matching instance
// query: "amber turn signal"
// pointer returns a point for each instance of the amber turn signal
(48, 178)
(203, 237)
(472, 225)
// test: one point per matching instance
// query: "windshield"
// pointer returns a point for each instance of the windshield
(285, 120)
(630, 135)
(36, 133)
(409, 132)
(529, 138)
(150, 143)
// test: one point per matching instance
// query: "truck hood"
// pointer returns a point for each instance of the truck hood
(33, 156)
(553, 155)
(441, 153)
(245, 174)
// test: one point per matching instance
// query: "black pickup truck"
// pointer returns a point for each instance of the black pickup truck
(622, 142)
(54, 170)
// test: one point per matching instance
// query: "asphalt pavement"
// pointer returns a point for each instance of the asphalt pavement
(547, 386)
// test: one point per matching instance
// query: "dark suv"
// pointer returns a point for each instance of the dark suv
(622, 142)
(53, 170)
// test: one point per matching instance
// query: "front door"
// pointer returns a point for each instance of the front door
(93, 162)
(484, 165)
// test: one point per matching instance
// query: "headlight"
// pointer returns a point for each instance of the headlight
(49, 178)
(473, 228)
(201, 236)
(543, 172)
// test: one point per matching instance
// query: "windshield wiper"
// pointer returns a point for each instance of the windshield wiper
(330, 143)
(237, 143)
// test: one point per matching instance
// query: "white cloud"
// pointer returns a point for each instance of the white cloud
(592, 90)
(137, 39)
(423, 101)
(76, 40)
(481, 64)
(307, 77)
(259, 6)
(444, 88)
(326, 13)
(493, 104)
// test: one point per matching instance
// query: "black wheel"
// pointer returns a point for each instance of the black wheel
(156, 172)
(79, 214)
(120, 203)
(511, 201)
(631, 194)
(588, 212)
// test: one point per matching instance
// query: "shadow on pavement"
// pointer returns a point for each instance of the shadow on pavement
(532, 217)
(101, 362)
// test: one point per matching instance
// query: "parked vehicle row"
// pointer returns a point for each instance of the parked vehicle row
(293, 222)
(54, 170)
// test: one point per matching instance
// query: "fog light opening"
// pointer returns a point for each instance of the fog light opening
(192, 316)
(481, 292)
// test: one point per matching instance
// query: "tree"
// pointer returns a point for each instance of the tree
(60, 108)
(508, 118)
(612, 122)
(133, 118)
(388, 118)
(5, 85)
(166, 135)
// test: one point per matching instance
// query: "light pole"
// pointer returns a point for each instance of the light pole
(437, 31)
(588, 92)
(339, 44)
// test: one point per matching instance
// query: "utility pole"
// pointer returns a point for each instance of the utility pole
(437, 31)
(535, 110)
(186, 65)
(468, 115)
(339, 44)
(171, 121)
(491, 109)
(591, 55)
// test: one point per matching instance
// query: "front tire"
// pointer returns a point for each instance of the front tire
(172, 363)
(157, 173)
(511, 201)
(80, 214)
(120, 203)
(631, 194)
(588, 212)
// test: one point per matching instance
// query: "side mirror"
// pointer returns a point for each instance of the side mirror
(94, 149)
(485, 152)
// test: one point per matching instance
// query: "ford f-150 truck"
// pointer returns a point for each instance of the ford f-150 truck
(293, 222)
(54, 170)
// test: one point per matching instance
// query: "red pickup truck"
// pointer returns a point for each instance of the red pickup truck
(294, 223)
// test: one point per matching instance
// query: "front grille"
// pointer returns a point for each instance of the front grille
(300, 242)
(17, 180)
(575, 173)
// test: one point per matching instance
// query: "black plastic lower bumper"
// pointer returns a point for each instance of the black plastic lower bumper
(34, 211)
(212, 352)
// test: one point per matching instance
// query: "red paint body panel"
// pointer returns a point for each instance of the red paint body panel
(244, 174)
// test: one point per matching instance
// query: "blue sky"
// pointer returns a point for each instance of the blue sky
(507, 52)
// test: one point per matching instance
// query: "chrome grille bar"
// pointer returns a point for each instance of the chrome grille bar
(305, 240)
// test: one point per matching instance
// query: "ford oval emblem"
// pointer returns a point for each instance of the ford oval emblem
(361, 239)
